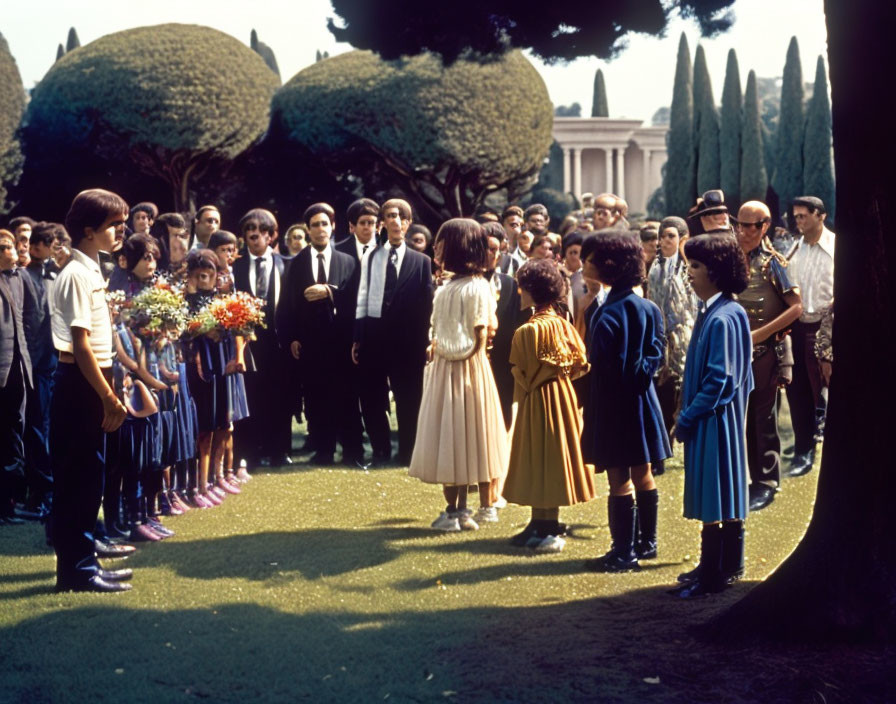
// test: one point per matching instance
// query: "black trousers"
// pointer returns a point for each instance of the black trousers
(78, 456)
(38, 474)
(12, 429)
(804, 391)
(331, 404)
(763, 441)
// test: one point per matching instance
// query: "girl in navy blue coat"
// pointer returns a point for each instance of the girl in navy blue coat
(718, 379)
(624, 429)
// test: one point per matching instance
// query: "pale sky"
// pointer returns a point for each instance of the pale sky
(638, 82)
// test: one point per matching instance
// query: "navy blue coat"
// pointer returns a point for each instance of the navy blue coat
(623, 421)
(718, 378)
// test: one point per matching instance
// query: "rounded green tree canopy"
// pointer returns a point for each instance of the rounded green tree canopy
(486, 122)
(167, 97)
(12, 105)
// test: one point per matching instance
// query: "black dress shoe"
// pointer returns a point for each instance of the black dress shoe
(28, 515)
(94, 584)
(658, 468)
(613, 562)
(11, 520)
(115, 575)
(761, 496)
(697, 589)
(281, 461)
(320, 459)
(801, 464)
(110, 550)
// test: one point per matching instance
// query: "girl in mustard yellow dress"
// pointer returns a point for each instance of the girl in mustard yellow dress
(546, 469)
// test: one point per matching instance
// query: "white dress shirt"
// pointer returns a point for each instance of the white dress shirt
(812, 269)
(362, 255)
(315, 262)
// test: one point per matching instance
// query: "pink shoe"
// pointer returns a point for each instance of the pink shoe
(176, 502)
(213, 498)
(217, 491)
(229, 488)
(243, 475)
(145, 533)
(202, 502)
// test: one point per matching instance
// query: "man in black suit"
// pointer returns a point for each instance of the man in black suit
(266, 435)
(15, 378)
(392, 333)
(509, 315)
(316, 327)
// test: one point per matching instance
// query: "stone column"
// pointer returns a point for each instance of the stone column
(646, 177)
(576, 188)
(620, 172)
(567, 186)
(608, 163)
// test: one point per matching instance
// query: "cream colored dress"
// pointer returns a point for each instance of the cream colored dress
(461, 436)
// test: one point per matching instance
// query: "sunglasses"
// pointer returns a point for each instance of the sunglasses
(746, 225)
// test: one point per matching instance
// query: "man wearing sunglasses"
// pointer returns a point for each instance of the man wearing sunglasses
(773, 304)
(812, 269)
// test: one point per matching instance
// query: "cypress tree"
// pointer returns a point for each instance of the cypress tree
(599, 107)
(788, 178)
(706, 131)
(818, 165)
(73, 41)
(679, 179)
(753, 178)
(730, 129)
(60, 52)
(253, 41)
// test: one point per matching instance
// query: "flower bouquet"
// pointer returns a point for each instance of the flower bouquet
(157, 314)
(238, 313)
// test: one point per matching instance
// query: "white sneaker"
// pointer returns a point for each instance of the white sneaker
(500, 503)
(465, 520)
(487, 514)
(553, 543)
(447, 523)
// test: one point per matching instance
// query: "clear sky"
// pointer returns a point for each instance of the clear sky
(638, 82)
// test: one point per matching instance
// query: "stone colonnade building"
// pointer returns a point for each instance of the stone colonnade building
(606, 155)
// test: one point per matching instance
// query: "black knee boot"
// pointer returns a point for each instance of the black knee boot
(645, 544)
(622, 557)
(709, 571)
(732, 551)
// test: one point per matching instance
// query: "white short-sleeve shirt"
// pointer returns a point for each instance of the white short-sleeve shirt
(79, 301)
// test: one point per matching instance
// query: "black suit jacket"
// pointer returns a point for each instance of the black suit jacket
(404, 326)
(323, 328)
(13, 303)
(265, 348)
(347, 246)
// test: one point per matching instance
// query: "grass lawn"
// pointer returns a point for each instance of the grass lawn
(328, 585)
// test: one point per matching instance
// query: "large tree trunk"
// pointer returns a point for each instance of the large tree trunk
(841, 580)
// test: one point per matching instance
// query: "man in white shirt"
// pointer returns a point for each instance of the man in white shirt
(206, 223)
(84, 406)
(512, 221)
(812, 269)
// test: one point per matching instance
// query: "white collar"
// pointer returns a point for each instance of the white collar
(712, 299)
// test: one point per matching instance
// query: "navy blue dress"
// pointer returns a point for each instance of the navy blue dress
(623, 421)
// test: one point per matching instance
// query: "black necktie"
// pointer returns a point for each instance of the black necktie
(391, 275)
(261, 278)
(321, 272)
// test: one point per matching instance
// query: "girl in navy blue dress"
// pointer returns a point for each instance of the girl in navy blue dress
(718, 378)
(624, 431)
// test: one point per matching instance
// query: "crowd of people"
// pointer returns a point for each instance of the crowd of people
(521, 362)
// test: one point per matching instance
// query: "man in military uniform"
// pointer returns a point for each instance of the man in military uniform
(772, 303)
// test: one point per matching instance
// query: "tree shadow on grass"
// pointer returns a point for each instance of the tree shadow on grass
(633, 647)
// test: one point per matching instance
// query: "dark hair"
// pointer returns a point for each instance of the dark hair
(648, 233)
(316, 209)
(676, 222)
(45, 233)
(203, 209)
(512, 210)
(464, 246)
(404, 208)
(723, 258)
(362, 206)
(570, 240)
(538, 239)
(175, 220)
(494, 229)
(542, 279)
(91, 208)
(813, 204)
(416, 227)
(150, 209)
(198, 259)
(221, 237)
(264, 218)
(21, 220)
(617, 256)
(135, 248)
(535, 209)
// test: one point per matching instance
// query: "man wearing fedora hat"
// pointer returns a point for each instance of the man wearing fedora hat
(712, 212)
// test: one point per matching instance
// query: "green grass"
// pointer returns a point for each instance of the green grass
(327, 584)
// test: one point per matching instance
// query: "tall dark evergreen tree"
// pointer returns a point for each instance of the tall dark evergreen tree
(60, 52)
(730, 128)
(788, 178)
(680, 178)
(818, 162)
(73, 42)
(706, 126)
(753, 178)
(599, 106)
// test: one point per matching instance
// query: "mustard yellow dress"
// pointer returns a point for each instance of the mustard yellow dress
(546, 469)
